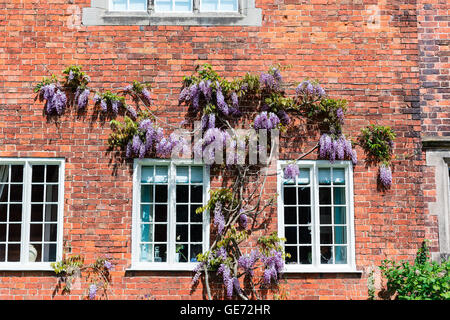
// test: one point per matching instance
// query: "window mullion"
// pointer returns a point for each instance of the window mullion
(26, 209)
(316, 218)
(171, 216)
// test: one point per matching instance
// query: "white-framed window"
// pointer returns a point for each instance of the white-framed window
(315, 215)
(31, 212)
(163, 6)
(167, 232)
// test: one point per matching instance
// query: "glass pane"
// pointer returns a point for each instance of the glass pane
(289, 195)
(182, 233)
(51, 192)
(147, 213)
(50, 231)
(196, 174)
(324, 176)
(181, 253)
(36, 232)
(325, 215)
(138, 5)
(326, 255)
(324, 195)
(303, 177)
(37, 193)
(326, 235)
(304, 235)
(305, 255)
(16, 193)
(15, 212)
(339, 215)
(160, 252)
(38, 174)
(290, 233)
(182, 175)
(341, 255)
(196, 233)
(16, 174)
(3, 232)
(119, 5)
(35, 254)
(2, 252)
(4, 173)
(146, 252)
(197, 194)
(163, 6)
(292, 250)
(290, 215)
(146, 233)
(304, 215)
(196, 217)
(161, 193)
(146, 193)
(52, 173)
(3, 212)
(161, 175)
(209, 5)
(160, 233)
(228, 5)
(182, 213)
(160, 213)
(49, 252)
(340, 235)
(37, 212)
(304, 195)
(51, 212)
(196, 249)
(14, 252)
(147, 174)
(14, 232)
(4, 191)
(182, 193)
(182, 6)
(339, 176)
(339, 195)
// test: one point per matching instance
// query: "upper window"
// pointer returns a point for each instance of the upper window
(167, 232)
(175, 5)
(128, 5)
(31, 193)
(316, 217)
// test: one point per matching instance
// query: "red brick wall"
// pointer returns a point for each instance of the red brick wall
(363, 50)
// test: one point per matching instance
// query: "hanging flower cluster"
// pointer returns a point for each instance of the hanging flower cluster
(266, 121)
(109, 102)
(378, 144)
(291, 171)
(336, 148)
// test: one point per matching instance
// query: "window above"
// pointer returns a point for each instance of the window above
(167, 232)
(31, 200)
(173, 12)
(316, 217)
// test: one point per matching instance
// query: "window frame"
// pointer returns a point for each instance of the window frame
(24, 265)
(170, 264)
(316, 266)
(110, 7)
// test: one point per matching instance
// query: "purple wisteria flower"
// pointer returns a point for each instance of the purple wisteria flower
(82, 98)
(221, 104)
(57, 103)
(243, 221)
(132, 111)
(104, 105)
(206, 89)
(266, 121)
(92, 291)
(146, 95)
(291, 171)
(107, 264)
(274, 264)
(198, 271)
(385, 175)
(310, 91)
(336, 148)
(219, 219)
(247, 262)
(340, 115)
(225, 271)
(284, 117)
(221, 253)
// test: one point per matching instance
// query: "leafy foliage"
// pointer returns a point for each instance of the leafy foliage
(423, 280)
(378, 142)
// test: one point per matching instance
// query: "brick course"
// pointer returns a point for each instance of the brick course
(376, 54)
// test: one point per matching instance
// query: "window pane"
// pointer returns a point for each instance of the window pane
(146, 252)
(147, 174)
(182, 233)
(50, 232)
(52, 173)
(196, 174)
(196, 233)
(339, 195)
(35, 254)
(339, 215)
(325, 215)
(160, 213)
(14, 232)
(4, 173)
(304, 195)
(292, 250)
(3, 232)
(304, 235)
(16, 174)
(182, 6)
(37, 193)
(182, 193)
(13, 252)
(160, 233)
(147, 213)
(305, 255)
(181, 253)
(290, 215)
(51, 192)
(4, 191)
(49, 252)
(16, 193)
(119, 5)
(289, 195)
(196, 249)
(209, 5)
(290, 233)
(326, 255)
(182, 175)
(36, 232)
(36, 212)
(326, 235)
(324, 176)
(3, 212)
(340, 235)
(138, 5)
(161, 175)
(146, 193)
(163, 6)
(338, 176)
(304, 215)
(51, 212)
(324, 195)
(196, 217)
(2, 252)
(182, 213)
(161, 193)
(38, 173)
(303, 177)
(228, 5)
(197, 194)
(146, 233)
(341, 255)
